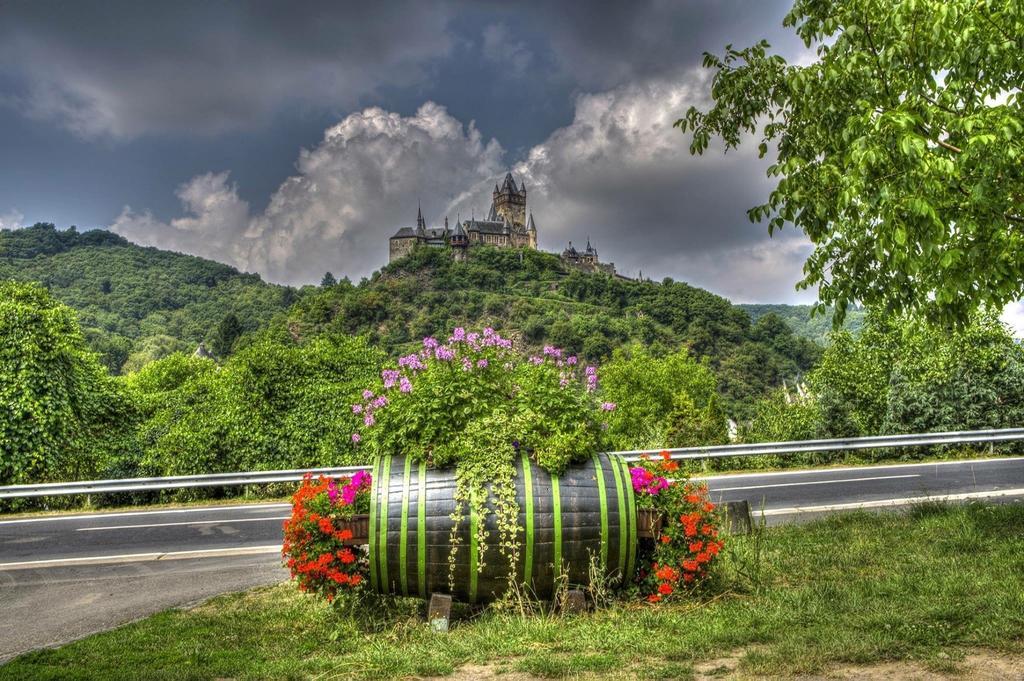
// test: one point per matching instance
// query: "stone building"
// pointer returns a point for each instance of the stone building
(586, 260)
(508, 225)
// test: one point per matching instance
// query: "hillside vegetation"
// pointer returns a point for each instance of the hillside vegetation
(816, 328)
(136, 304)
(530, 297)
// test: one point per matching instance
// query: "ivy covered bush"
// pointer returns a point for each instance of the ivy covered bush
(56, 399)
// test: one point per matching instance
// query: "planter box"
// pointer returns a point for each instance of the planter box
(648, 523)
(360, 527)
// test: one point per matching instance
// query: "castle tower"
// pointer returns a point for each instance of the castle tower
(531, 233)
(509, 202)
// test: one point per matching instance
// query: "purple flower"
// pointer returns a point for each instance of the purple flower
(356, 437)
(367, 394)
(411, 362)
(357, 409)
(368, 420)
(537, 361)
(608, 406)
(481, 363)
(553, 351)
(390, 376)
(571, 360)
(458, 335)
(515, 445)
(443, 353)
(404, 385)
(429, 343)
(381, 401)
(467, 364)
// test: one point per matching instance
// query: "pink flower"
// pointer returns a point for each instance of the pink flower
(571, 360)
(356, 437)
(608, 406)
(332, 491)
(381, 401)
(536, 360)
(481, 363)
(368, 420)
(429, 343)
(357, 409)
(458, 335)
(367, 394)
(467, 364)
(404, 385)
(443, 353)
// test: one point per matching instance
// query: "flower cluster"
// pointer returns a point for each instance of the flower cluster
(688, 542)
(317, 536)
(485, 355)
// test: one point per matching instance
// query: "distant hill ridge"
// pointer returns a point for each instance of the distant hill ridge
(137, 303)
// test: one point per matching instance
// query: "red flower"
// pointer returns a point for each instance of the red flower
(665, 539)
(654, 598)
(665, 589)
(696, 546)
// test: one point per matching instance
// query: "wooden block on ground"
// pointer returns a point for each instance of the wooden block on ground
(439, 612)
(737, 515)
(575, 602)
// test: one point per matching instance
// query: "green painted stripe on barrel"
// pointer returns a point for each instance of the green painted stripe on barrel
(421, 529)
(384, 515)
(602, 492)
(403, 540)
(621, 508)
(473, 548)
(630, 518)
(374, 502)
(528, 490)
(556, 508)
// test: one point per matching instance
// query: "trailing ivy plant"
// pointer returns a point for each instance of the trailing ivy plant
(475, 404)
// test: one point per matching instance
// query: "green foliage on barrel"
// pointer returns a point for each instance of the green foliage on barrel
(485, 473)
(586, 514)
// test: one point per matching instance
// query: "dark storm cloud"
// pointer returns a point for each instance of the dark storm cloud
(130, 68)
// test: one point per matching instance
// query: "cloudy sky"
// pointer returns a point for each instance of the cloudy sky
(290, 139)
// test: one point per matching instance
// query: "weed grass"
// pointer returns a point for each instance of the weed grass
(925, 585)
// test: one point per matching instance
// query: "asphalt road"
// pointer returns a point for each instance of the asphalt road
(64, 577)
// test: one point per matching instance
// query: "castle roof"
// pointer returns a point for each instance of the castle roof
(485, 226)
(405, 233)
(529, 224)
(509, 184)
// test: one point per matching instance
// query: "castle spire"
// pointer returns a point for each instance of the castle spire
(420, 222)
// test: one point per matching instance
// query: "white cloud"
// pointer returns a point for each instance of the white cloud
(350, 194)
(11, 220)
(1013, 316)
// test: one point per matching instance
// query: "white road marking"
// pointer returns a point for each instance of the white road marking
(193, 522)
(809, 482)
(848, 469)
(136, 557)
(93, 516)
(884, 503)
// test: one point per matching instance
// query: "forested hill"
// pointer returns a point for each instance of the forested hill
(530, 297)
(799, 318)
(135, 303)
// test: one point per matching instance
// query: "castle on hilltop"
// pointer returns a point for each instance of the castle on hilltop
(508, 225)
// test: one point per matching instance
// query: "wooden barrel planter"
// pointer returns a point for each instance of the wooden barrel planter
(588, 510)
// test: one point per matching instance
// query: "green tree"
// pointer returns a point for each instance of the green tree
(226, 334)
(652, 395)
(328, 281)
(57, 398)
(900, 148)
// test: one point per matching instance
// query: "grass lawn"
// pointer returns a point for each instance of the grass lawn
(927, 585)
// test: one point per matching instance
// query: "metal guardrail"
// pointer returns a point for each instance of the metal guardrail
(711, 452)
